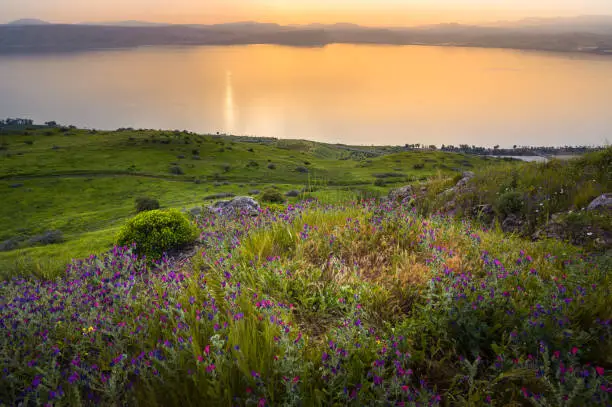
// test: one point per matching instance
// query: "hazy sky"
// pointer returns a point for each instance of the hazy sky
(369, 12)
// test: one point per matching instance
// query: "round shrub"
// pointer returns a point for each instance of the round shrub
(510, 203)
(272, 196)
(158, 231)
(176, 170)
(146, 204)
(379, 182)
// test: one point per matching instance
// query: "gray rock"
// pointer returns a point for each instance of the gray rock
(16, 185)
(240, 204)
(401, 194)
(49, 237)
(10, 244)
(513, 224)
(196, 211)
(601, 203)
(484, 212)
(467, 176)
(292, 194)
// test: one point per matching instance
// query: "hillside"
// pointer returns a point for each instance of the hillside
(83, 183)
(534, 200)
(333, 292)
(37, 38)
(317, 304)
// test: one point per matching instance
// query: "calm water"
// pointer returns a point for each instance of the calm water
(351, 94)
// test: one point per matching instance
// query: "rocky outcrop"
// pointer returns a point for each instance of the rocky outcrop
(513, 224)
(601, 203)
(461, 185)
(568, 227)
(485, 213)
(467, 176)
(401, 194)
(239, 205)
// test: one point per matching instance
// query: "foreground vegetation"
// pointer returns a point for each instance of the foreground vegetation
(328, 296)
(534, 199)
(83, 183)
(317, 304)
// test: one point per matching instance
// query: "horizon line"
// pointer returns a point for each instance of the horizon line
(497, 21)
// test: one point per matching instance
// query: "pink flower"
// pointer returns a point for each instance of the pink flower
(210, 368)
(200, 359)
(405, 388)
(599, 370)
(207, 350)
(262, 403)
(574, 350)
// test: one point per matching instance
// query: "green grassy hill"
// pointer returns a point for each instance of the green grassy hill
(84, 183)
(335, 301)
(534, 199)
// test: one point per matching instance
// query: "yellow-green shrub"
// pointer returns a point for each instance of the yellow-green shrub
(158, 231)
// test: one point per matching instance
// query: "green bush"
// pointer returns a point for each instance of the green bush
(176, 170)
(145, 203)
(272, 196)
(158, 231)
(510, 203)
(379, 182)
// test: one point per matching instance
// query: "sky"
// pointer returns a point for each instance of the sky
(366, 12)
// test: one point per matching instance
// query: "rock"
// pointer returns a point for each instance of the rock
(552, 230)
(467, 176)
(601, 203)
(292, 194)
(401, 194)
(484, 212)
(16, 185)
(240, 204)
(196, 211)
(513, 224)
(563, 227)
(254, 192)
(49, 237)
(10, 244)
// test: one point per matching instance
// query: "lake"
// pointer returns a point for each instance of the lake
(352, 94)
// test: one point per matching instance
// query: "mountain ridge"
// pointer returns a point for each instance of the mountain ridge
(563, 36)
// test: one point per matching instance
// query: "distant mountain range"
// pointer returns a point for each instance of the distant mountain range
(29, 21)
(591, 34)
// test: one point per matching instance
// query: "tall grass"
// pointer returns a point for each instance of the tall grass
(352, 304)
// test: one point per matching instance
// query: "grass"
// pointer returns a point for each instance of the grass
(331, 298)
(85, 182)
(318, 304)
(535, 192)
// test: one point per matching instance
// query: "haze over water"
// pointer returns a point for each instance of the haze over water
(352, 94)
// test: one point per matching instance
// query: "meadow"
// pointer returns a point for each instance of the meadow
(84, 183)
(332, 298)
(317, 304)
